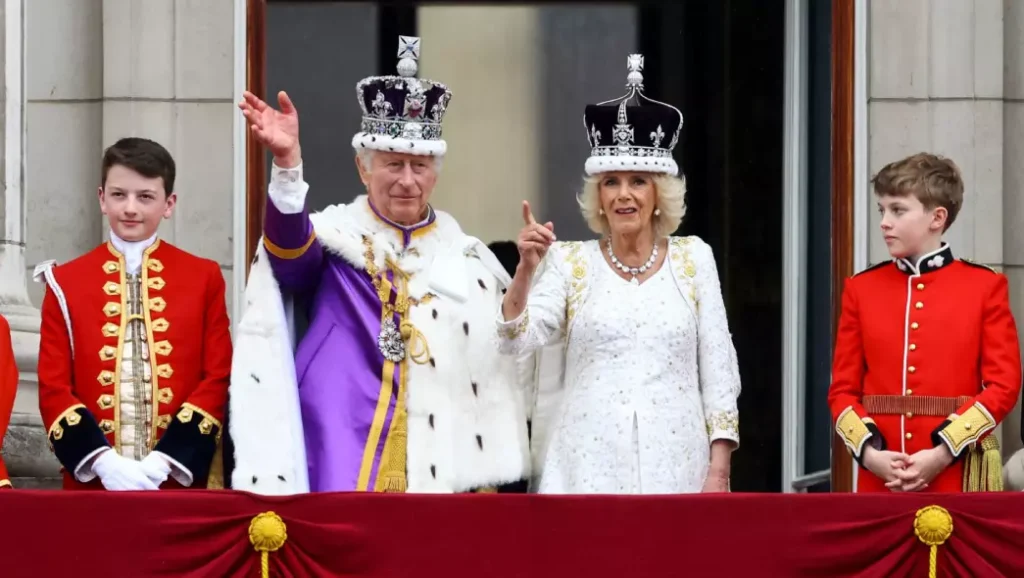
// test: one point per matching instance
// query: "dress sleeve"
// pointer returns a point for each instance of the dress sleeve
(542, 322)
(716, 355)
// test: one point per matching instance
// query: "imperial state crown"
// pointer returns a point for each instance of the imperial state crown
(632, 137)
(402, 113)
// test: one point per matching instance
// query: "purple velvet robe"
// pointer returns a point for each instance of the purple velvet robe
(341, 373)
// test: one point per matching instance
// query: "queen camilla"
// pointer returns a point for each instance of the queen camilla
(651, 381)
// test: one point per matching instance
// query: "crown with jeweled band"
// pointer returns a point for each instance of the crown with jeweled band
(632, 137)
(402, 113)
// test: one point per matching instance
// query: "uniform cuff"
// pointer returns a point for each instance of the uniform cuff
(856, 432)
(960, 432)
(191, 441)
(74, 436)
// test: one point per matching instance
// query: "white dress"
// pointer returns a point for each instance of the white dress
(650, 375)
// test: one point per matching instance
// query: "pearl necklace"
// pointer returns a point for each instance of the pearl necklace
(634, 271)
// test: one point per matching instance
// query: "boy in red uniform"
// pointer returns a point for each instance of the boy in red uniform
(8, 389)
(135, 345)
(926, 361)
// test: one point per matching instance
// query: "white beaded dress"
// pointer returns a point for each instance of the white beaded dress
(650, 371)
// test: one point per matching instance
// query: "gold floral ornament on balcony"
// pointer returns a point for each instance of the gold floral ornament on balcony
(933, 526)
(268, 533)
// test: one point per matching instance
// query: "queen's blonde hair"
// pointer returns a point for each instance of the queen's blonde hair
(670, 199)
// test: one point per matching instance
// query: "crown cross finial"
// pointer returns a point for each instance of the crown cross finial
(635, 63)
(408, 54)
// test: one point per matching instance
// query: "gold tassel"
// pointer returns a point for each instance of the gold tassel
(268, 533)
(394, 484)
(992, 465)
(983, 469)
(933, 526)
(215, 480)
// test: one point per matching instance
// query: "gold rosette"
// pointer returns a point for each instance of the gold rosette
(268, 533)
(933, 526)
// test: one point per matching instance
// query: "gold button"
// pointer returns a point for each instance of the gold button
(910, 392)
(920, 286)
(919, 305)
(911, 369)
(910, 435)
(914, 325)
(850, 430)
(910, 414)
(913, 347)
(967, 425)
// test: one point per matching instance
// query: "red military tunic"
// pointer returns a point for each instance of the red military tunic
(926, 353)
(186, 336)
(8, 389)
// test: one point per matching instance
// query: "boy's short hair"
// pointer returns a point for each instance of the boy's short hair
(146, 157)
(932, 179)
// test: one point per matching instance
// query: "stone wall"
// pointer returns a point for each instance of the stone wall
(947, 76)
(96, 71)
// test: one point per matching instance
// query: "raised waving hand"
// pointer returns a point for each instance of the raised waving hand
(278, 130)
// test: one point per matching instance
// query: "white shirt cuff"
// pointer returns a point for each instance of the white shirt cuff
(287, 189)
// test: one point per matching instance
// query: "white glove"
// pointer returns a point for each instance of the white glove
(118, 473)
(156, 468)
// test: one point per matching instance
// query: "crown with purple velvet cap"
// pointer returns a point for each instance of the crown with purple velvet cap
(632, 137)
(402, 113)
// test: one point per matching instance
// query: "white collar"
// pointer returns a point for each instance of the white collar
(132, 251)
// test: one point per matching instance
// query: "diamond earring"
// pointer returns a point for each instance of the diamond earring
(657, 212)
(600, 211)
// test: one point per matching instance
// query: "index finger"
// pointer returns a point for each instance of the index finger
(528, 214)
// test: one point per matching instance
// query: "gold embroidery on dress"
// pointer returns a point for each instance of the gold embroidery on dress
(517, 329)
(682, 260)
(726, 421)
(578, 283)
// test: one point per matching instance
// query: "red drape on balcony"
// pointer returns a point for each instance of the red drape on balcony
(206, 534)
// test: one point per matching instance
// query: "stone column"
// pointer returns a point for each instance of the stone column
(167, 76)
(25, 451)
(936, 83)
